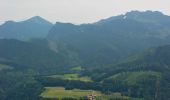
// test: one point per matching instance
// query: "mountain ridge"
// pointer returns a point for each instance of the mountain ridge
(120, 37)
(35, 27)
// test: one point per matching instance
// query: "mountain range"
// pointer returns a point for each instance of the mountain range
(127, 54)
(114, 38)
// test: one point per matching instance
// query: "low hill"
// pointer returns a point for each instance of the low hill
(31, 55)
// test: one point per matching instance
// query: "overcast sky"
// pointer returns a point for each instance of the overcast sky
(75, 11)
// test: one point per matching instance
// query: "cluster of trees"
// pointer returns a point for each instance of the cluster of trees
(19, 85)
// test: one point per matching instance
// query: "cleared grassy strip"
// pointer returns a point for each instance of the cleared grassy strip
(4, 67)
(79, 68)
(72, 77)
(60, 92)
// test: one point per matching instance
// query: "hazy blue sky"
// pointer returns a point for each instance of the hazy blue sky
(75, 11)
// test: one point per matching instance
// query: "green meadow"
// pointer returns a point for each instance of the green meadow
(60, 92)
(72, 77)
(4, 67)
(79, 68)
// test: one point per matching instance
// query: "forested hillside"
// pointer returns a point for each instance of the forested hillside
(33, 55)
(145, 74)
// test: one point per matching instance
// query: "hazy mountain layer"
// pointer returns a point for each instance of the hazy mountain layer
(112, 39)
(35, 27)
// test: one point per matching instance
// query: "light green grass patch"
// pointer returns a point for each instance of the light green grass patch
(4, 67)
(79, 68)
(60, 92)
(72, 77)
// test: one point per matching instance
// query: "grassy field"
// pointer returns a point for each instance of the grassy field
(79, 68)
(60, 92)
(3, 67)
(72, 77)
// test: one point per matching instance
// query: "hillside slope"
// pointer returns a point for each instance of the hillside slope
(146, 75)
(27, 55)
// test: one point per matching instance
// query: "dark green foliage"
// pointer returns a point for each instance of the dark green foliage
(17, 85)
(32, 55)
(149, 87)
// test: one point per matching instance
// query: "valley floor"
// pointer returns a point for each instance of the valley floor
(60, 92)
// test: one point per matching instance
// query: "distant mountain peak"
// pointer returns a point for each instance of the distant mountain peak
(38, 20)
(140, 16)
(35, 27)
